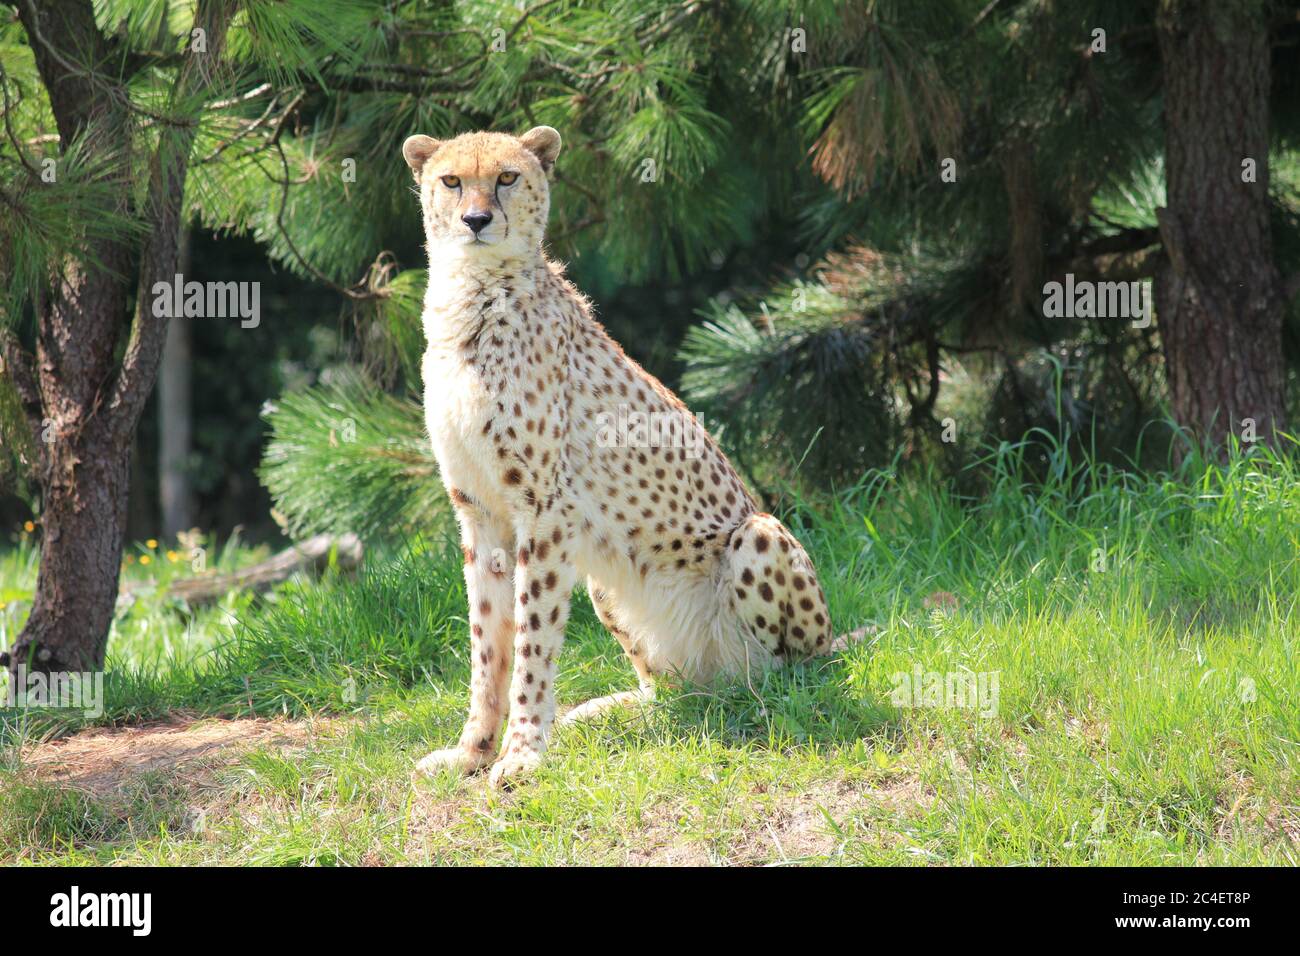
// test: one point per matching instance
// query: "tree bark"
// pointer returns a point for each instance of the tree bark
(1219, 295)
(88, 404)
(83, 518)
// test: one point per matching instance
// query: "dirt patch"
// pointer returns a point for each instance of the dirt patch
(106, 760)
(785, 826)
(765, 825)
(802, 829)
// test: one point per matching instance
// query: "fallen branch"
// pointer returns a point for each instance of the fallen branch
(312, 555)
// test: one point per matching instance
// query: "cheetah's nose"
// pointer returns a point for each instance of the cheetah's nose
(476, 220)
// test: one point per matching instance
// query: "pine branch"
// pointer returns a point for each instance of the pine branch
(166, 189)
(349, 457)
(1126, 240)
(355, 294)
(1128, 255)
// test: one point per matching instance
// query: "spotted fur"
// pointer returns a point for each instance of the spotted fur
(524, 391)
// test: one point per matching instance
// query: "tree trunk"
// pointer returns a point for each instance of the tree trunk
(1219, 296)
(83, 517)
(82, 468)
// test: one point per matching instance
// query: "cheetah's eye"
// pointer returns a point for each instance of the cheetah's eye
(507, 179)
(451, 182)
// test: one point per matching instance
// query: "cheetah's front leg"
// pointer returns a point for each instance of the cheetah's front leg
(489, 569)
(544, 579)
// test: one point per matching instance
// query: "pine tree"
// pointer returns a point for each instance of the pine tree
(93, 193)
(1054, 122)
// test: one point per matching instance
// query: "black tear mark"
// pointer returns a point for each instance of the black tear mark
(496, 195)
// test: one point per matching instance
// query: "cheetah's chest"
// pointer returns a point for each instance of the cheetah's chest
(491, 404)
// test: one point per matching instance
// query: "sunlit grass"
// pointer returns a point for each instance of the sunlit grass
(1142, 631)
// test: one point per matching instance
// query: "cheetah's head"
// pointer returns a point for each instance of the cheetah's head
(484, 194)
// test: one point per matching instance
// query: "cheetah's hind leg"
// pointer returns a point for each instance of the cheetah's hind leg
(775, 590)
(603, 601)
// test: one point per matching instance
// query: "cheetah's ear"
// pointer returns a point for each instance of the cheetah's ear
(544, 143)
(417, 150)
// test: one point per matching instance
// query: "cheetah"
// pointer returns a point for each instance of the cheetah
(564, 459)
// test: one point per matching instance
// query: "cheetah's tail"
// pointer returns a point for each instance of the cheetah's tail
(775, 591)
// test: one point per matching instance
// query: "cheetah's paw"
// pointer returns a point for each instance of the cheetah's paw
(513, 767)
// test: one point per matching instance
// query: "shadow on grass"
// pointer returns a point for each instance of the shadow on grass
(801, 708)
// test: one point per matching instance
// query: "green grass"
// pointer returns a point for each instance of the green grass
(1143, 632)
